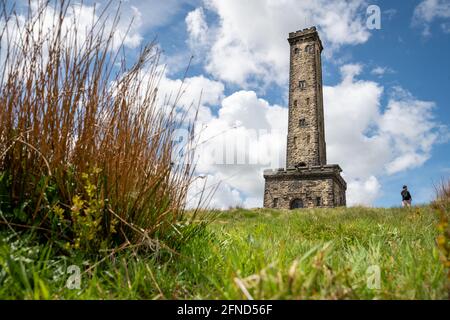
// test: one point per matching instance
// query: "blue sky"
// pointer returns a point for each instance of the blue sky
(386, 90)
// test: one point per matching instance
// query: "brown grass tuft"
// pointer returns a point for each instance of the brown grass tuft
(85, 147)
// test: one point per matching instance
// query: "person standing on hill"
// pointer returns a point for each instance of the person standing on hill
(406, 197)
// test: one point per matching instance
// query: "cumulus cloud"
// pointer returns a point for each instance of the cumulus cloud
(445, 27)
(362, 192)
(390, 13)
(240, 52)
(381, 71)
(246, 136)
(85, 17)
(192, 93)
(369, 142)
(214, 192)
(357, 103)
(80, 22)
(410, 125)
(157, 13)
(197, 28)
(428, 11)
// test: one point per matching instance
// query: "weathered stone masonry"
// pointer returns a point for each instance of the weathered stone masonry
(308, 181)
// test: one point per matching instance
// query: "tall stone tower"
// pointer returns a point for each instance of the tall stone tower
(307, 180)
(306, 137)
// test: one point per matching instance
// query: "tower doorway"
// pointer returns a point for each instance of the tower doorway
(296, 204)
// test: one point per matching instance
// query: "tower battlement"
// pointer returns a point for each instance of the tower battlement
(304, 35)
(302, 32)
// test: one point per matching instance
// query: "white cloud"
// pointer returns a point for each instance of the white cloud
(156, 12)
(390, 13)
(406, 161)
(244, 109)
(381, 71)
(410, 125)
(247, 135)
(362, 192)
(252, 202)
(352, 108)
(211, 91)
(445, 27)
(87, 17)
(428, 11)
(369, 142)
(211, 191)
(80, 22)
(239, 51)
(191, 93)
(197, 27)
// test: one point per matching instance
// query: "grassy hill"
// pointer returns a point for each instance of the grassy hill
(252, 254)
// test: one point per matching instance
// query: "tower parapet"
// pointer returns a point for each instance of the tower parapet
(306, 34)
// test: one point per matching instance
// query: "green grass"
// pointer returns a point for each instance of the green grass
(260, 254)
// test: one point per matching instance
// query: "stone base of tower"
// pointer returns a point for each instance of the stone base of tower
(305, 187)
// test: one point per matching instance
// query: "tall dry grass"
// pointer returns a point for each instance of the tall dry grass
(85, 144)
(442, 206)
(443, 192)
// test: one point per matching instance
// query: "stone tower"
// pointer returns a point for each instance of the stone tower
(307, 180)
(306, 137)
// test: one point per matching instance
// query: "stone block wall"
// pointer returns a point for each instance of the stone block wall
(311, 187)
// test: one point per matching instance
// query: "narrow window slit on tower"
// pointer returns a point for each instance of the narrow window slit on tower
(295, 103)
(275, 202)
(307, 101)
(318, 201)
(296, 50)
(302, 84)
(302, 122)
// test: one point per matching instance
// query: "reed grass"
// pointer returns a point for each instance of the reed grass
(85, 144)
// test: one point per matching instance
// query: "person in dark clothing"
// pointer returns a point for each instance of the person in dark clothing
(406, 197)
